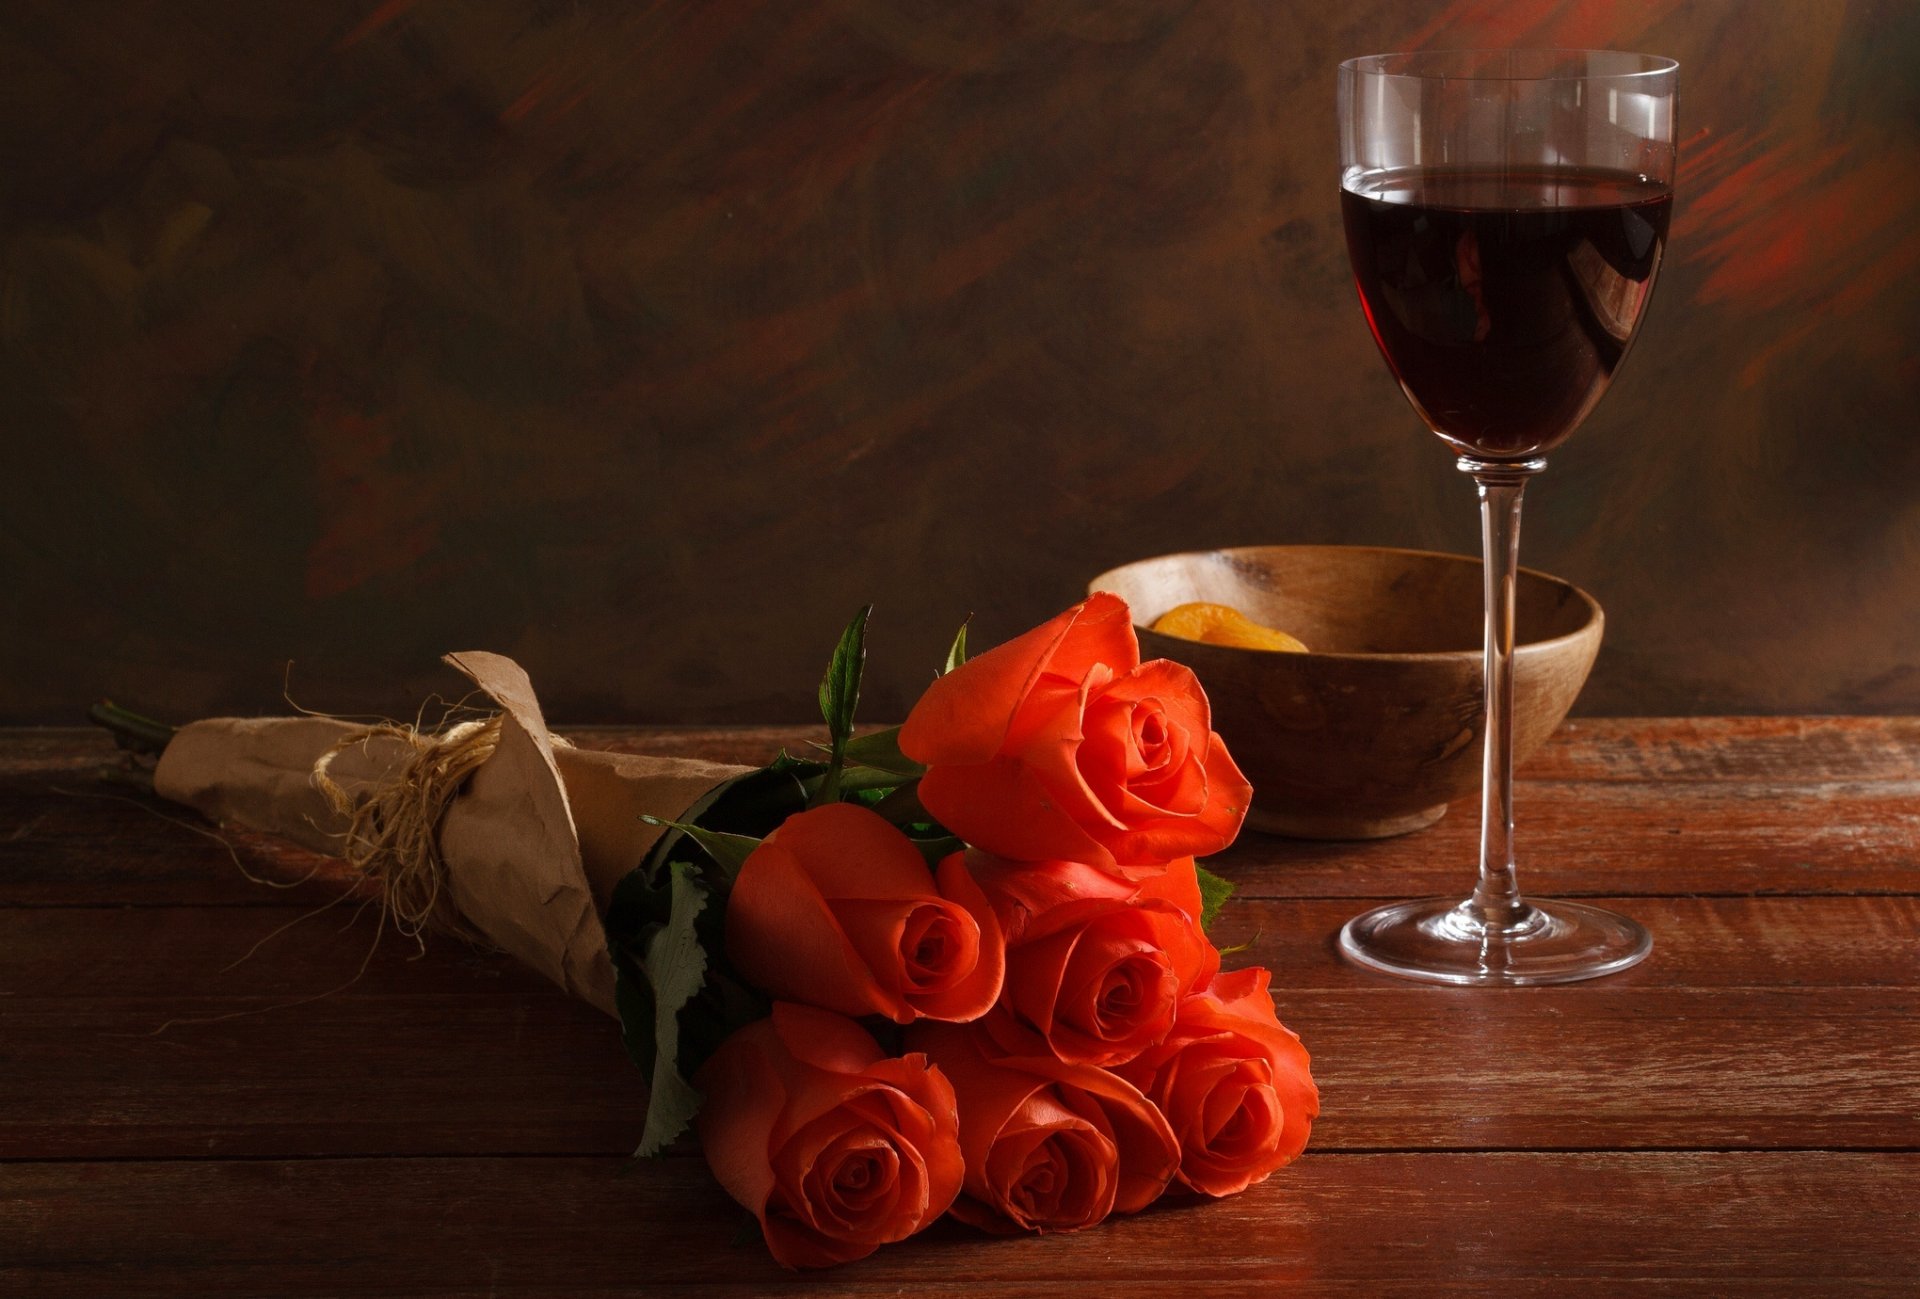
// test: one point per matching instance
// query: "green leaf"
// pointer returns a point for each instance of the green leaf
(957, 654)
(839, 696)
(1214, 891)
(857, 780)
(674, 966)
(881, 751)
(785, 764)
(677, 997)
(840, 688)
(633, 999)
(729, 851)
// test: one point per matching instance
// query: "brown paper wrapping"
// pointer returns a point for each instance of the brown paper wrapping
(533, 844)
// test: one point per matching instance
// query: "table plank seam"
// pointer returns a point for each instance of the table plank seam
(1315, 1152)
(268, 901)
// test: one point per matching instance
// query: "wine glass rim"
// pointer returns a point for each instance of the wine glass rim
(1374, 65)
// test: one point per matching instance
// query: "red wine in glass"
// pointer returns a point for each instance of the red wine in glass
(1504, 299)
(1506, 211)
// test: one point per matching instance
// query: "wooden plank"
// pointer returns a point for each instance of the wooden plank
(1612, 1067)
(1769, 749)
(434, 1074)
(74, 843)
(1757, 826)
(268, 953)
(1576, 839)
(1769, 1021)
(1388, 1224)
(69, 837)
(1850, 941)
(1764, 750)
(1838, 942)
(1400, 1067)
(1611, 839)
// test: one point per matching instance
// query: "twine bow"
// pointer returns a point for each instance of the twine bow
(393, 831)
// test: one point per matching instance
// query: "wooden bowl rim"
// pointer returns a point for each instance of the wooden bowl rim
(1593, 624)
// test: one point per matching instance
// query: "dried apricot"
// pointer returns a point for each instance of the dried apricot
(1220, 624)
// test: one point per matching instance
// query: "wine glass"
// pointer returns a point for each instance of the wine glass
(1506, 211)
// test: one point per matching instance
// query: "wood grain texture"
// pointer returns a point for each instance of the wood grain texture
(1616, 812)
(1783, 750)
(1393, 1224)
(212, 1087)
(282, 953)
(1399, 1068)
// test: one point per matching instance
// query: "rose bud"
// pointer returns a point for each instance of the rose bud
(837, 1149)
(1049, 1146)
(1062, 745)
(837, 908)
(1233, 1082)
(1095, 966)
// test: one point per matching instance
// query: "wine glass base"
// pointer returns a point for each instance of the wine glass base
(1442, 940)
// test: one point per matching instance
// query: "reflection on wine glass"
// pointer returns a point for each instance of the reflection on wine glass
(1506, 212)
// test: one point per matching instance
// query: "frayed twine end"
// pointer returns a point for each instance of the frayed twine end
(393, 830)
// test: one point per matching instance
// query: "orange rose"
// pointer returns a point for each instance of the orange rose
(1095, 966)
(1049, 1146)
(836, 908)
(1234, 1084)
(1062, 745)
(835, 1148)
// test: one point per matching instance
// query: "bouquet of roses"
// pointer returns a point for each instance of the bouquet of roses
(956, 966)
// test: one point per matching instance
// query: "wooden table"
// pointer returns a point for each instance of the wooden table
(207, 1086)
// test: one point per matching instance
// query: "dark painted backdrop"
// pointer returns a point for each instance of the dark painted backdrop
(646, 341)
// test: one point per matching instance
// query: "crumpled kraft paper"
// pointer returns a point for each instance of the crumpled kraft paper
(533, 844)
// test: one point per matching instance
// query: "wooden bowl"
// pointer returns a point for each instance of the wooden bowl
(1378, 727)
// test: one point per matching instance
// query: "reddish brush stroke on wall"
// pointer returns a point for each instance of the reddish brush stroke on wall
(645, 342)
(1800, 223)
(1542, 24)
(1779, 211)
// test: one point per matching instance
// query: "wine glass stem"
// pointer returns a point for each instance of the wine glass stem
(1496, 900)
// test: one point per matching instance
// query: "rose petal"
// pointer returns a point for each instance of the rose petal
(963, 717)
(1102, 636)
(1021, 890)
(824, 1040)
(1149, 1152)
(1178, 886)
(783, 938)
(1120, 990)
(743, 1094)
(851, 851)
(801, 1163)
(1001, 808)
(1211, 829)
(1051, 1170)
(1068, 944)
(994, 1094)
(974, 995)
(1050, 747)
(791, 1098)
(991, 1095)
(1227, 1061)
(1056, 982)
(877, 927)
